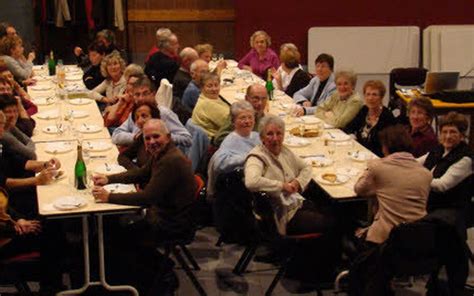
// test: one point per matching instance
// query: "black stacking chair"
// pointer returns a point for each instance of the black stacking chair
(267, 232)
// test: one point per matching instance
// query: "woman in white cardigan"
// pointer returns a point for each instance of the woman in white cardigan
(275, 169)
(112, 68)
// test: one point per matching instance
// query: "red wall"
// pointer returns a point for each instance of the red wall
(289, 20)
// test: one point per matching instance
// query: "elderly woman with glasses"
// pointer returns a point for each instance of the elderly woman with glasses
(261, 57)
(451, 163)
(275, 169)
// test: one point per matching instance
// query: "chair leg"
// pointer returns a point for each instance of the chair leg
(277, 278)
(244, 260)
(188, 271)
(190, 257)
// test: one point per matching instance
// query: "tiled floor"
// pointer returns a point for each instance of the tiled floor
(217, 278)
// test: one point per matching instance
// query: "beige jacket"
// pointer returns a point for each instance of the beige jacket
(267, 172)
(401, 186)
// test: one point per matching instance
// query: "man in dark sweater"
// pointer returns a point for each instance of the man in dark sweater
(92, 74)
(169, 192)
(182, 78)
(161, 64)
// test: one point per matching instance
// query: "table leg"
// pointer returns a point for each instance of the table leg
(87, 274)
(100, 231)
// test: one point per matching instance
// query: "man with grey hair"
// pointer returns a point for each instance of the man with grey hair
(169, 196)
(192, 91)
(160, 33)
(162, 64)
(257, 96)
(182, 78)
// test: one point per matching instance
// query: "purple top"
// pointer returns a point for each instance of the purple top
(423, 140)
(260, 66)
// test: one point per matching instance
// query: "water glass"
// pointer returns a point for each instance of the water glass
(214, 57)
(221, 57)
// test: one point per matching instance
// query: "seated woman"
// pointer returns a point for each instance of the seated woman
(372, 118)
(135, 155)
(420, 115)
(344, 104)
(451, 163)
(261, 57)
(235, 147)
(289, 77)
(11, 51)
(108, 92)
(17, 90)
(401, 186)
(273, 168)
(117, 113)
(211, 111)
(13, 137)
(205, 52)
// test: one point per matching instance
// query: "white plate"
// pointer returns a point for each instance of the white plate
(89, 128)
(296, 142)
(119, 188)
(44, 101)
(80, 101)
(309, 120)
(72, 70)
(231, 63)
(40, 87)
(50, 114)
(96, 146)
(319, 161)
(71, 88)
(52, 129)
(109, 169)
(349, 171)
(68, 203)
(336, 136)
(360, 156)
(79, 113)
(58, 147)
(341, 179)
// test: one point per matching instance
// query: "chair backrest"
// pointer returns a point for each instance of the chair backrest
(412, 248)
(164, 95)
(406, 77)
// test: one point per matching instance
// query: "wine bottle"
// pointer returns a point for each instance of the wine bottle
(80, 172)
(51, 64)
(269, 85)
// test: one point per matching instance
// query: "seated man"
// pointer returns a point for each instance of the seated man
(168, 195)
(144, 91)
(257, 96)
(192, 91)
(161, 64)
(182, 78)
(92, 76)
(319, 88)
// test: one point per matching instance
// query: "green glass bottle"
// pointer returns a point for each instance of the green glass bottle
(269, 85)
(51, 64)
(80, 171)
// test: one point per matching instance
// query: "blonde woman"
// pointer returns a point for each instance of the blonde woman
(261, 57)
(112, 68)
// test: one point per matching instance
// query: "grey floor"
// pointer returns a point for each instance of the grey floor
(217, 278)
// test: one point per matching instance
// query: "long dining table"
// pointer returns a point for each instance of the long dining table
(330, 152)
(61, 124)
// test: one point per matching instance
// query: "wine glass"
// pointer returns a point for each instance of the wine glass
(221, 57)
(331, 148)
(214, 57)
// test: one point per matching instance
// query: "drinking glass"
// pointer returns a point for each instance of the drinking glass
(331, 148)
(214, 57)
(221, 57)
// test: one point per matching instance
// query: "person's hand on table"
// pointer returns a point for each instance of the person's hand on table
(306, 104)
(23, 226)
(29, 81)
(298, 111)
(100, 179)
(46, 176)
(53, 163)
(100, 193)
(109, 100)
